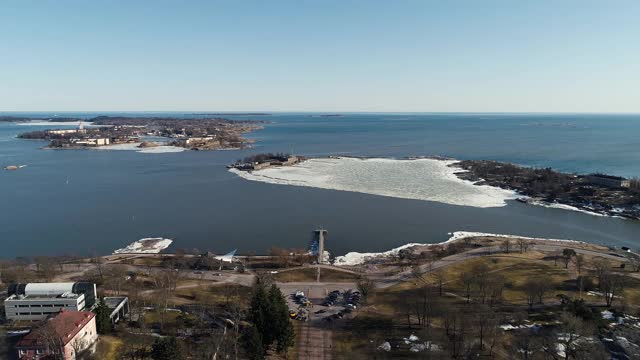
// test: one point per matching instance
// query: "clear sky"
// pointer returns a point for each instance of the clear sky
(342, 55)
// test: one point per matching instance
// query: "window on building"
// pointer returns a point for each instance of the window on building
(36, 313)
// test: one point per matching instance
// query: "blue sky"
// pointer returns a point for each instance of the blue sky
(343, 55)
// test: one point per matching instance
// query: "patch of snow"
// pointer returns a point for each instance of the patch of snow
(608, 315)
(160, 149)
(357, 258)
(385, 346)
(145, 246)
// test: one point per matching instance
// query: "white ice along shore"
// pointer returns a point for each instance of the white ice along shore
(419, 179)
(356, 258)
(134, 147)
(145, 246)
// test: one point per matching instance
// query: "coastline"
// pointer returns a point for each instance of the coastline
(319, 179)
(357, 258)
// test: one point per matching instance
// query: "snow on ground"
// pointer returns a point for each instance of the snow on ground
(134, 147)
(145, 246)
(564, 207)
(419, 179)
(356, 258)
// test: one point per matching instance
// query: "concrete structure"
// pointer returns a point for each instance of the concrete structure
(66, 335)
(119, 306)
(608, 180)
(37, 301)
(319, 236)
(92, 141)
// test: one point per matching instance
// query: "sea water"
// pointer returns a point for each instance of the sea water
(88, 201)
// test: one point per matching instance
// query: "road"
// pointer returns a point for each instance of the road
(315, 340)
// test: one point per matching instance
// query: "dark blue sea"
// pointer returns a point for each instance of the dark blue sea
(92, 201)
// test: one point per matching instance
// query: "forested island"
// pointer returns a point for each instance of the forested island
(194, 134)
(598, 193)
(20, 119)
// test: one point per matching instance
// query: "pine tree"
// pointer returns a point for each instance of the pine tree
(253, 344)
(103, 321)
(166, 349)
(282, 327)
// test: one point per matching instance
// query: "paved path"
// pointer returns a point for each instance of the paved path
(314, 343)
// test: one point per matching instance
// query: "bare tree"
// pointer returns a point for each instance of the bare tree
(78, 346)
(571, 331)
(440, 279)
(467, 279)
(116, 277)
(165, 281)
(611, 286)
(523, 244)
(365, 286)
(535, 289)
(634, 261)
(52, 341)
(495, 288)
(416, 273)
(567, 256)
(481, 280)
(98, 262)
(506, 246)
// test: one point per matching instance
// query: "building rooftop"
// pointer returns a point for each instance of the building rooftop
(112, 302)
(65, 325)
(67, 295)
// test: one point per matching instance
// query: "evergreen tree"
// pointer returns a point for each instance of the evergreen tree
(103, 321)
(253, 344)
(282, 327)
(269, 314)
(166, 349)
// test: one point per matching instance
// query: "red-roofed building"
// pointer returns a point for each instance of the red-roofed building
(67, 334)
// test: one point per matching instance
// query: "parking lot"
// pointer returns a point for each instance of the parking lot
(320, 302)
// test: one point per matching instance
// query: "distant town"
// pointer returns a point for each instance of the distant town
(194, 134)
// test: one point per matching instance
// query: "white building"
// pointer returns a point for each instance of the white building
(37, 301)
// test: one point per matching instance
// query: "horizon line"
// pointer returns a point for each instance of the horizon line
(193, 112)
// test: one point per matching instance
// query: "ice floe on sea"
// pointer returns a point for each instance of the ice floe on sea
(54, 123)
(419, 179)
(145, 246)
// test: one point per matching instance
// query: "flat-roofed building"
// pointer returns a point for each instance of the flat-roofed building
(37, 301)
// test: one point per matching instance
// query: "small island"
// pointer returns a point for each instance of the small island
(193, 134)
(266, 160)
(596, 193)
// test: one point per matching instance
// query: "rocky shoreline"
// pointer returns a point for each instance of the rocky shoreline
(192, 134)
(598, 194)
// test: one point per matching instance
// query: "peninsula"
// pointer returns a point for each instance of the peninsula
(596, 193)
